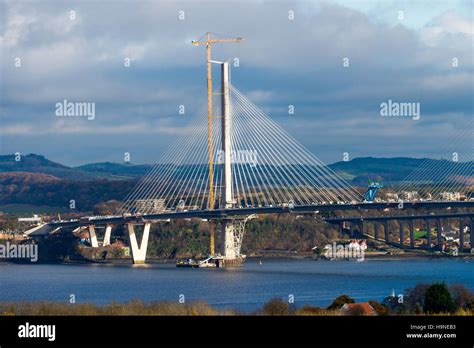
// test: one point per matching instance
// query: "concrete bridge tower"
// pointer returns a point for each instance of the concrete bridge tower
(232, 230)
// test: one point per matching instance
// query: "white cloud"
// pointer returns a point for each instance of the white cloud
(446, 25)
(282, 62)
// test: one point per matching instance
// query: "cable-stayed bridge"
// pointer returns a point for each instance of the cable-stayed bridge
(234, 162)
(263, 167)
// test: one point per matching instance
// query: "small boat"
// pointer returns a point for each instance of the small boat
(210, 262)
(189, 263)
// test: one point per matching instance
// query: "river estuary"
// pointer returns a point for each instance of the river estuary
(246, 289)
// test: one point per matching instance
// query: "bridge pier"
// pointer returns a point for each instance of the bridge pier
(401, 233)
(376, 230)
(386, 232)
(138, 253)
(228, 247)
(232, 234)
(93, 237)
(412, 233)
(108, 232)
(438, 234)
(341, 227)
(461, 235)
(428, 233)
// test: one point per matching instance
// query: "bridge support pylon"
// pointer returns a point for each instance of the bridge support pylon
(138, 252)
(438, 235)
(386, 231)
(93, 237)
(401, 237)
(428, 233)
(412, 233)
(232, 235)
(108, 232)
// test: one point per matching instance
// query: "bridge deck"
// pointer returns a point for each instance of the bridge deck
(397, 217)
(223, 213)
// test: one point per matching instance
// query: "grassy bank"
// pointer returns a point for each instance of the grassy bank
(139, 308)
(423, 299)
(130, 308)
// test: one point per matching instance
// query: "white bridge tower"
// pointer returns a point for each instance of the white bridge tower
(232, 230)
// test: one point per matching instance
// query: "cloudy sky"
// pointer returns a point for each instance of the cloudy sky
(293, 54)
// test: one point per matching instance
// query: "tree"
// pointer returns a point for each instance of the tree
(462, 296)
(107, 208)
(415, 297)
(395, 305)
(438, 299)
(379, 308)
(276, 306)
(341, 301)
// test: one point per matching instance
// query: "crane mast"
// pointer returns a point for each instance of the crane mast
(208, 43)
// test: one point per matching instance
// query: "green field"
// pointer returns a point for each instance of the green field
(420, 234)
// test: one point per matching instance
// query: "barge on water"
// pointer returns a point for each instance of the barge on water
(211, 262)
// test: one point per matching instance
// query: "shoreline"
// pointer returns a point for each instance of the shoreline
(255, 257)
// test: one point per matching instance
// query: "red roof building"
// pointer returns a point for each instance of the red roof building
(361, 308)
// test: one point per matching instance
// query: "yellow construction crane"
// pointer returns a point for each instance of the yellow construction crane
(208, 42)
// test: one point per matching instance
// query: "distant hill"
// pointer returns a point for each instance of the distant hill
(116, 169)
(356, 171)
(359, 170)
(37, 181)
(22, 178)
(391, 170)
(38, 189)
(33, 163)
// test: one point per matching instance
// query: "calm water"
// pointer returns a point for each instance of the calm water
(247, 288)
